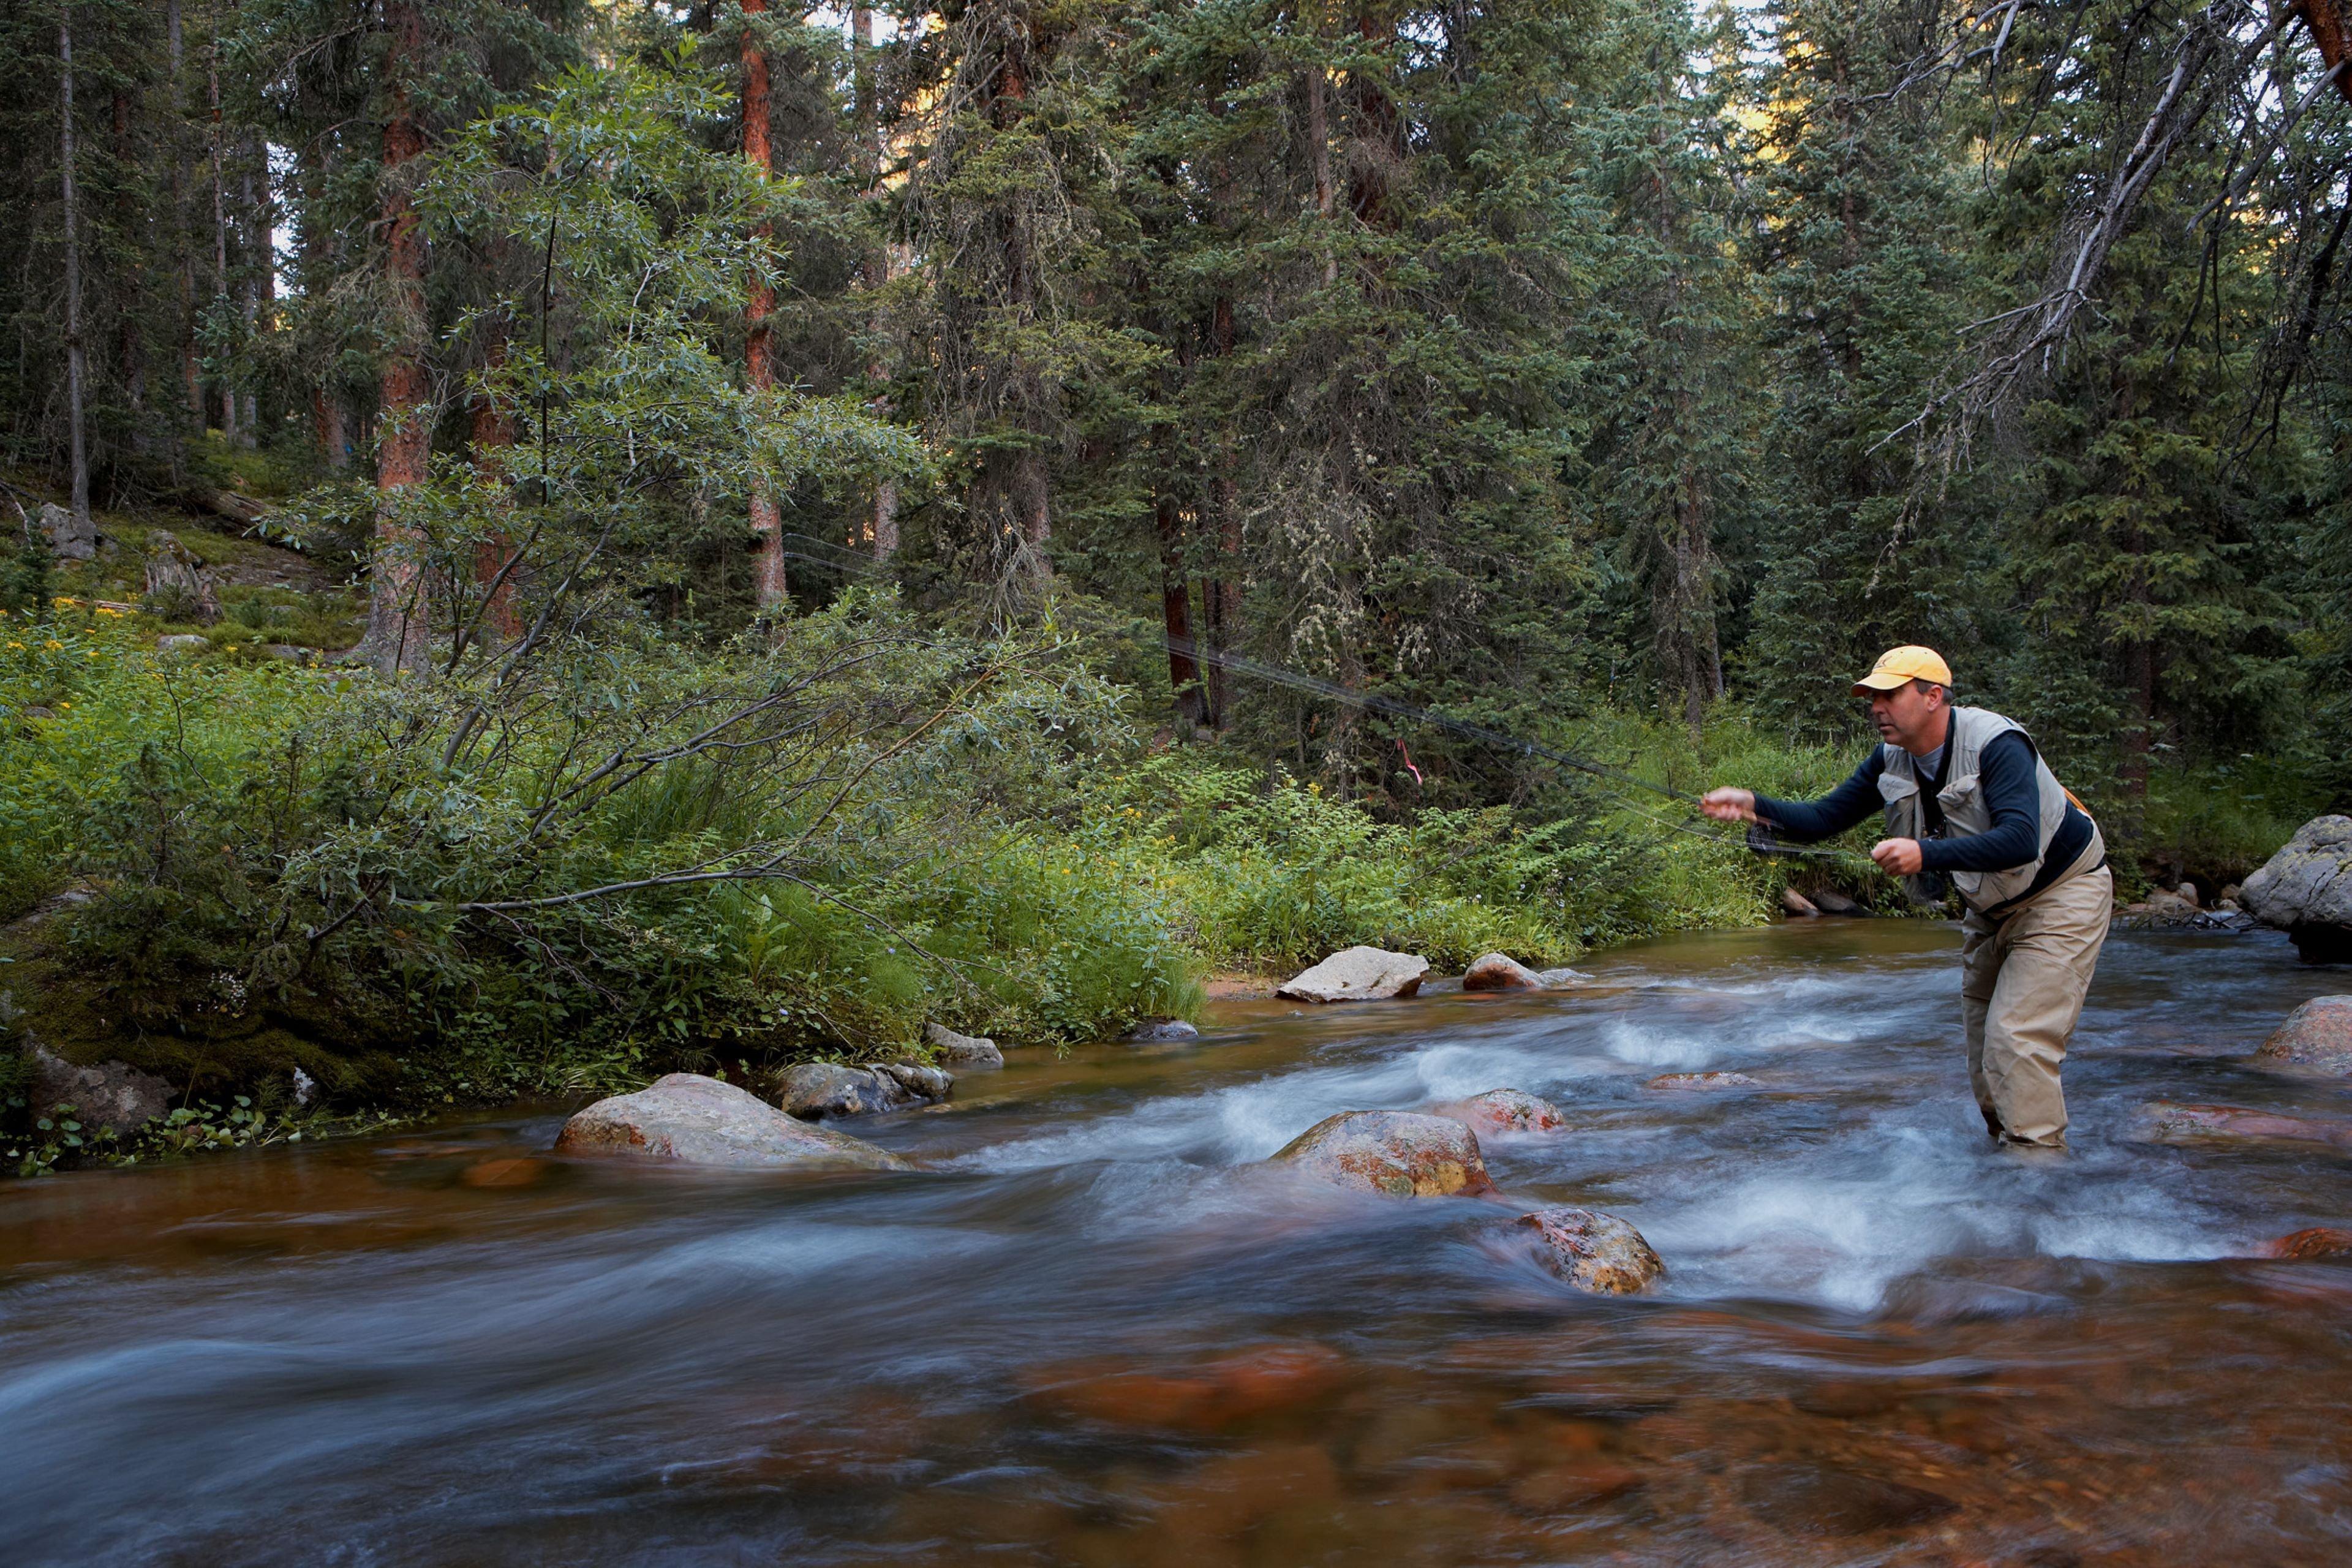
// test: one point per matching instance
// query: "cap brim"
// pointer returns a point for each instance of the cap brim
(1878, 681)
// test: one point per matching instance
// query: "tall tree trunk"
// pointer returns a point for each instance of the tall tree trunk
(257, 266)
(131, 355)
(400, 596)
(758, 370)
(1223, 590)
(184, 229)
(881, 528)
(1176, 602)
(1028, 487)
(327, 424)
(220, 227)
(78, 455)
(1318, 150)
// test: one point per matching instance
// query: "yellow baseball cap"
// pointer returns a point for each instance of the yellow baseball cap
(1899, 666)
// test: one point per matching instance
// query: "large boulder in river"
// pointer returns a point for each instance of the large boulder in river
(1503, 1111)
(2316, 1035)
(1393, 1152)
(695, 1121)
(1358, 974)
(2305, 890)
(812, 1091)
(1593, 1251)
(1500, 972)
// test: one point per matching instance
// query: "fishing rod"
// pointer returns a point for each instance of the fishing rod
(1760, 838)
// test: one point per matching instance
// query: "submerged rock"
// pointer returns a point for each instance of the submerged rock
(1704, 1080)
(1593, 1251)
(1503, 1111)
(1394, 1152)
(812, 1091)
(2165, 1122)
(695, 1121)
(1829, 1501)
(1203, 1397)
(1560, 979)
(2305, 1246)
(1161, 1032)
(2316, 1035)
(114, 1096)
(963, 1050)
(1500, 972)
(2305, 890)
(1358, 974)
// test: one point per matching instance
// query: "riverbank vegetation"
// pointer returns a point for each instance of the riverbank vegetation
(550, 541)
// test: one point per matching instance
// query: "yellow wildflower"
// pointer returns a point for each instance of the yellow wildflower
(16, 645)
(53, 645)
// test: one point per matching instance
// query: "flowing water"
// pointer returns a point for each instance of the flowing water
(1091, 1333)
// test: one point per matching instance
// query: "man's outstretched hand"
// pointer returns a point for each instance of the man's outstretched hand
(1729, 804)
(1899, 856)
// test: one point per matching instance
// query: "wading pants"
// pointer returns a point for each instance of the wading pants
(2022, 983)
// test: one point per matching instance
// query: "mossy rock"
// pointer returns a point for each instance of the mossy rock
(196, 1039)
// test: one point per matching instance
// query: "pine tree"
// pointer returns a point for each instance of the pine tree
(1859, 192)
(1669, 337)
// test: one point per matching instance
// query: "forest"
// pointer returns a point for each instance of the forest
(556, 539)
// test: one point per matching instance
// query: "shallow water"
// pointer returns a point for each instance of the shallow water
(1091, 1333)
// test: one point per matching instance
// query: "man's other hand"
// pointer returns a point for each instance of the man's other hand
(1899, 855)
(1729, 804)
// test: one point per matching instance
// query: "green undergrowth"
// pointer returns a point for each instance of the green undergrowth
(222, 870)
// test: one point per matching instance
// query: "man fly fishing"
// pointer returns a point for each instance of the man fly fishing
(1967, 795)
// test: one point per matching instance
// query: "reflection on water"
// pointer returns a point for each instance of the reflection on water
(1090, 1333)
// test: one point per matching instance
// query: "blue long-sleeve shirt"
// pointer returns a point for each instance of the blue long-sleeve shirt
(2005, 772)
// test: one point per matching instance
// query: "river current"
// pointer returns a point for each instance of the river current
(1090, 1332)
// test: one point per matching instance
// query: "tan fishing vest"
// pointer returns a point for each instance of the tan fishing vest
(1965, 811)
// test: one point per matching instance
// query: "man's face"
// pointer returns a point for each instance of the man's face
(1908, 716)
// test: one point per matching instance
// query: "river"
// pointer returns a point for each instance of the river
(1090, 1333)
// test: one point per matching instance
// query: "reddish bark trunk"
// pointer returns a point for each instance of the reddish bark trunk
(759, 305)
(399, 600)
(2325, 20)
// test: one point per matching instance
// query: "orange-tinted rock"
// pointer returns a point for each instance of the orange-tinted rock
(1703, 1081)
(1499, 972)
(1504, 1110)
(1593, 1251)
(2317, 1035)
(2303, 1246)
(2165, 1122)
(1394, 1152)
(1797, 904)
(1204, 1398)
(519, 1173)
